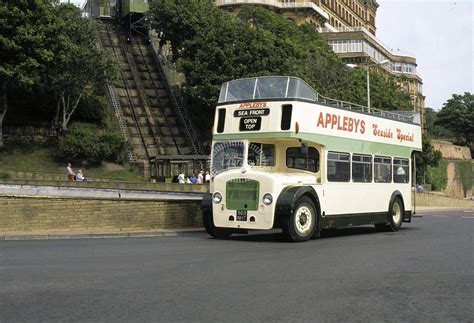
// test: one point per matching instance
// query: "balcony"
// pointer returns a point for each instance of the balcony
(276, 5)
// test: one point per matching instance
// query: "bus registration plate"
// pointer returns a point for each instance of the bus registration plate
(241, 215)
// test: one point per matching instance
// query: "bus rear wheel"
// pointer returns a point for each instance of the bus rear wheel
(301, 224)
(208, 222)
(395, 216)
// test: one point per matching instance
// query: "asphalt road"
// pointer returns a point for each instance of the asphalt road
(423, 273)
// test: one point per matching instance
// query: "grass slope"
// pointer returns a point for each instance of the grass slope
(44, 160)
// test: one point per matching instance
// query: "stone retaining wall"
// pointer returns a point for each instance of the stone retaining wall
(62, 215)
(28, 134)
(432, 199)
(39, 180)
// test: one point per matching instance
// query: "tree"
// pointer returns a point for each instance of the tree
(78, 61)
(428, 157)
(212, 47)
(457, 115)
(433, 129)
(22, 50)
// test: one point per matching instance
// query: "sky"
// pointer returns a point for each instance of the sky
(439, 33)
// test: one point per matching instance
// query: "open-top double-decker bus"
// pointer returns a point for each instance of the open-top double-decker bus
(285, 157)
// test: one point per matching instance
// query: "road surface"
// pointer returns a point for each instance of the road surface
(423, 273)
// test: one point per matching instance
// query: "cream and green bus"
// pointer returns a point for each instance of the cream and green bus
(285, 157)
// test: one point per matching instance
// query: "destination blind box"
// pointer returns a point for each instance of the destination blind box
(250, 124)
(251, 113)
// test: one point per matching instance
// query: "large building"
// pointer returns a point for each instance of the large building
(349, 27)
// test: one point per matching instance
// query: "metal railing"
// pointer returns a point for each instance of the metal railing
(185, 119)
(357, 107)
(368, 33)
(277, 4)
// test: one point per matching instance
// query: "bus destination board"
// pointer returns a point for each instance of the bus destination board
(250, 124)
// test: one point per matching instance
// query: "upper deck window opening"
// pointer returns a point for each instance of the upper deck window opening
(361, 168)
(261, 154)
(286, 111)
(400, 170)
(382, 169)
(339, 167)
(266, 87)
(297, 158)
(220, 120)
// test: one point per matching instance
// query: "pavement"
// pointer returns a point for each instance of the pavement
(145, 233)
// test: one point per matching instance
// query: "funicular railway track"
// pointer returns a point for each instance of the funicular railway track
(156, 125)
(141, 133)
(167, 121)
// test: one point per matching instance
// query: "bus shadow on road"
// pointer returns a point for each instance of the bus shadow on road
(278, 236)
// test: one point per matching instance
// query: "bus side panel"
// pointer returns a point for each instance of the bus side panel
(366, 202)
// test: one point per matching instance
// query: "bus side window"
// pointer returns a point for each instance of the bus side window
(339, 167)
(295, 158)
(400, 170)
(382, 169)
(361, 168)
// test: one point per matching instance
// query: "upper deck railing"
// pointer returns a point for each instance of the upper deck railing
(288, 87)
(280, 4)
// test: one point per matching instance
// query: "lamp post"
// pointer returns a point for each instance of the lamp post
(367, 68)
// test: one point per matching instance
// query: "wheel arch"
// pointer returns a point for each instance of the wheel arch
(406, 216)
(206, 203)
(396, 194)
(287, 198)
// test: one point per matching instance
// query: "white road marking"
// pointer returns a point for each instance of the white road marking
(468, 211)
(468, 217)
(439, 215)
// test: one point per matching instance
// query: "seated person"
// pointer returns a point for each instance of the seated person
(80, 177)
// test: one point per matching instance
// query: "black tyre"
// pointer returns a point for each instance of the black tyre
(395, 216)
(213, 231)
(301, 225)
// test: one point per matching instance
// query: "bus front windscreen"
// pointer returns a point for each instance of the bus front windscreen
(227, 155)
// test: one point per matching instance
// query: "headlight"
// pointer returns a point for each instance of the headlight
(217, 197)
(267, 199)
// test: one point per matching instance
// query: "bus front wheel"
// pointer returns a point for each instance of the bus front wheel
(219, 233)
(301, 224)
(395, 216)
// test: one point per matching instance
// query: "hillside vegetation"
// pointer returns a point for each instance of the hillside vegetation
(212, 47)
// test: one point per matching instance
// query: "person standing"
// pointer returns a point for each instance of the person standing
(181, 178)
(70, 173)
(200, 178)
(208, 177)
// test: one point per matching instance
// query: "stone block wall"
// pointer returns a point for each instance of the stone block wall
(63, 215)
(432, 199)
(28, 134)
(450, 151)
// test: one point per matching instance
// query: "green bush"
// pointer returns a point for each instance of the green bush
(91, 109)
(464, 169)
(438, 176)
(89, 143)
(4, 175)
